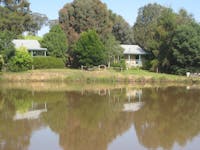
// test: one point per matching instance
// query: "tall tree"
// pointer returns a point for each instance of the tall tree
(89, 50)
(52, 23)
(155, 31)
(113, 49)
(15, 16)
(6, 46)
(55, 42)
(37, 22)
(160, 44)
(186, 49)
(81, 15)
(121, 29)
(16, 5)
(145, 23)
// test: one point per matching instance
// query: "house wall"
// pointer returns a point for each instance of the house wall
(133, 61)
(37, 53)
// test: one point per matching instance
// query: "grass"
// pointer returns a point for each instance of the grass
(138, 73)
(103, 76)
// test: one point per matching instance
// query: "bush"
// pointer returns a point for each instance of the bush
(121, 64)
(1, 62)
(182, 71)
(22, 61)
(47, 62)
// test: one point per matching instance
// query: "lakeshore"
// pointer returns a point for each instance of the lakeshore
(98, 76)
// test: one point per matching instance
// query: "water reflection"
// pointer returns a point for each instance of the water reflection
(32, 113)
(137, 103)
(122, 118)
(170, 116)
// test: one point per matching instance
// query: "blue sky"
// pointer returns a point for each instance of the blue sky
(126, 8)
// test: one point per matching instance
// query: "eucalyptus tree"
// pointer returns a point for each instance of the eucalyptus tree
(121, 29)
(81, 15)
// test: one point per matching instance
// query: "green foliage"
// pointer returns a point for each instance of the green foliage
(22, 61)
(1, 62)
(6, 46)
(47, 62)
(82, 15)
(113, 48)
(15, 17)
(121, 64)
(161, 46)
(154, 65)
(145, 23)
(89, 50)
(16, 5)
(121, 30)
(56, 43)
(148, 34)
(32, 37)
(22, 105)
(38, 21)
(186, 49)
(171, 39)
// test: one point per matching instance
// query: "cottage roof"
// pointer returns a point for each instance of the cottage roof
(133, 49)
(29, 44)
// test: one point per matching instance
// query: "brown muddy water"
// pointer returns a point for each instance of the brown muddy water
(110, 118)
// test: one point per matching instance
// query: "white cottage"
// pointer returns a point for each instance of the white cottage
(133, 55)
(33, 47)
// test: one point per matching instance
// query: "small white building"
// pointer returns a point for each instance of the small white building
(33, 47)
(133, 55)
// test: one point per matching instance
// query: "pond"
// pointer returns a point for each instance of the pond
(89, 117)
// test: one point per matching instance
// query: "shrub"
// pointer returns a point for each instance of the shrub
(1, 62)
(47, 62)
(182, 71)
(22, 61)
(121, 64)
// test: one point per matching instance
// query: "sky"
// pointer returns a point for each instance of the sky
(128, 9)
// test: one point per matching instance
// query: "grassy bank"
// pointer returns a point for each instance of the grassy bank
(72, 75)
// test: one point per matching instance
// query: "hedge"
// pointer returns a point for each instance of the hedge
(47, 62)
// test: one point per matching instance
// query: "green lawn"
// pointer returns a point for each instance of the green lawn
(140, 72)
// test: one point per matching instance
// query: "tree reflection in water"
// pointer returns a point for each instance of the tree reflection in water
(92, 120)
(170, 115)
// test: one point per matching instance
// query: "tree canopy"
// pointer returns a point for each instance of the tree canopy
(171, 39)
(15, 16)
(89, 50)
(186, 49)
(113, 49)
(6, 46)
(145, 23)
(82, 15)
(38, 21)
(55, 42)
(121, 29)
